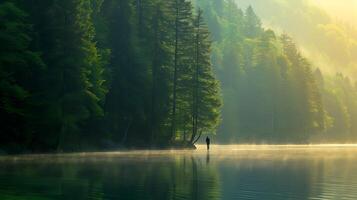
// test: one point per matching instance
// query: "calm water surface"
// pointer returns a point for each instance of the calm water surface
(226, 172)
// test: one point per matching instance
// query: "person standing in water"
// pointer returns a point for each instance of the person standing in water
(208, 142)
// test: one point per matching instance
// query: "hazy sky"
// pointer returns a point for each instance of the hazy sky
(341, 9)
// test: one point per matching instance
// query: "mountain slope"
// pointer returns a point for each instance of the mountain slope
(330, 43)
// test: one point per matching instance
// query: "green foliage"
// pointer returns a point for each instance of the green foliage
(18, 82)
(206, 95)
(118, 73)
(269, 91)
(328, 40)
(74, 83)
(81, 74)
(339, 96)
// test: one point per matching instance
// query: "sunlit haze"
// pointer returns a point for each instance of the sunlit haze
(345, 10)
(178, 99)
(325, 30)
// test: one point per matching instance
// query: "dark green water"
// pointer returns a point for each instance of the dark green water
(227, 172)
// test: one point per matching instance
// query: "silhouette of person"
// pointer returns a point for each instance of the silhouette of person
(208, 142)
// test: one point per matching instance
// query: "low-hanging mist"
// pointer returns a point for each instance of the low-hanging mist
(276, 85)
(324, 30)
(79, 75)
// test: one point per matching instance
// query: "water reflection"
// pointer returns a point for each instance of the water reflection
(161, 176)
(223, 173)
(207, 158)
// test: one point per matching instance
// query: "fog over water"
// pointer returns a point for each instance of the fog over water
(302, 172)
(156, 74)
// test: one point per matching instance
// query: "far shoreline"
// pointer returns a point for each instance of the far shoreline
(182, 148)
(101, 150)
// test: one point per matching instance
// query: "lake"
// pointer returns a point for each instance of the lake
(225, 172)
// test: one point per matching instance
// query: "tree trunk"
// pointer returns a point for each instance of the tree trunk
(154, 79)
(199, 136)
(196, 82)
(126, 132)
(173, 123)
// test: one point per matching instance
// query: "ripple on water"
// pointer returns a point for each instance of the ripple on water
(254, 172)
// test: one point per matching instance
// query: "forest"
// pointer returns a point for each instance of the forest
(81, 75)
(272, 92)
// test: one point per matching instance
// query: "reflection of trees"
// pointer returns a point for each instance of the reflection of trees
(195, 184)
(270, 179)
(172, 177)
(150, 178)
(333, 173)
(205, 180)
(192, 179)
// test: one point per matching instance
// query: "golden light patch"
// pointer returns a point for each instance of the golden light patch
(345, 10)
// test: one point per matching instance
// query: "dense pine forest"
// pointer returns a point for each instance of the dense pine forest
(105, 74)
(79, 74)
(272, 93)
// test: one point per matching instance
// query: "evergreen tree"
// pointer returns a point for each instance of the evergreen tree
(206, 101)
(125, 103)
(77, 74)
(74, 82)
(182, 10)
(252, 23)
(19, 68)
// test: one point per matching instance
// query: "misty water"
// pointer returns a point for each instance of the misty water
(226, 172)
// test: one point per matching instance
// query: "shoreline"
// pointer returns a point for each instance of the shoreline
(102, 150)
(191, 147)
